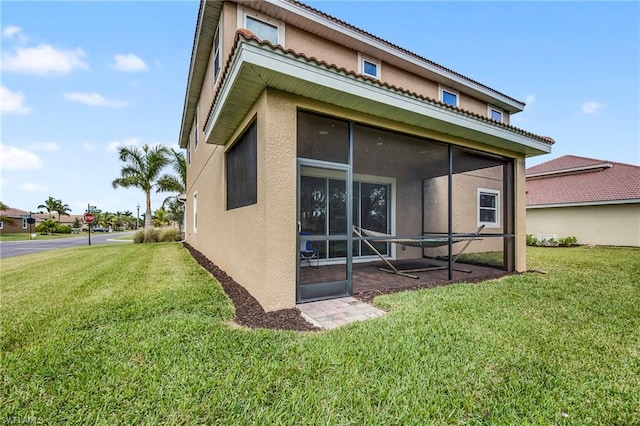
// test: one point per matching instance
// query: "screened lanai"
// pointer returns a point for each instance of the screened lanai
(354, 178)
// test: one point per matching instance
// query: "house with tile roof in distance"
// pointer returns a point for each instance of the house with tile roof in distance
(14, 220)
(299, 127)
(596, 201)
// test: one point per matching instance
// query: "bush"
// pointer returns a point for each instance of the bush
(157, 235)
(568, 241)
(63, 229)
(532, 241)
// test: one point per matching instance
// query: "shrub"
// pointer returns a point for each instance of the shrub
(168, 235)
(46, 227)
(63, 229)
(568, 241)
(532, 241)
(138, 237)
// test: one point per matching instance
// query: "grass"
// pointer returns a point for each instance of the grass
(143, 336)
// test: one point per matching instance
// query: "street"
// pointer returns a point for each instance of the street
(18, 248)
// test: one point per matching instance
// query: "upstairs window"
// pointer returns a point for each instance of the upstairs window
(369, 66)
(495, 114)
(264, 27)
(216, 55)
(195, 124)
(488, 207)
(449, 96)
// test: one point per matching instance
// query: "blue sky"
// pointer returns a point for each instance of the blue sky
(79, 79)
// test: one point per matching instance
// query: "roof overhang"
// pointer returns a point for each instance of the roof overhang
(255, 66)
(585, 204)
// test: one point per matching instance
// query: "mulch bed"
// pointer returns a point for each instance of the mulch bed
(249, 313)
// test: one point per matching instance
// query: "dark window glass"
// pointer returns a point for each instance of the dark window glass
(370, 69)
(242, 170)
(496, 115)
(449, 98)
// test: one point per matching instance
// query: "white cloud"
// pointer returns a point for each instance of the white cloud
(43, 59)
(592, 107)
(45, 146)
(129, 62)
(13, 158)
(88, 146)
(530, 99)
(33, 187)
(94, 99)
(114, 145)
(12, 102)
(10, 31)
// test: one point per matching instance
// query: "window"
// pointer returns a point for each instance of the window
(216, 54)
(242, 170)
(488, 207)
(196, 125)
(1, 224)
(24, 223)
(495, 114)
(264, 27)
(195, 212)
(189, 152)
(448, 96)
(368, 66)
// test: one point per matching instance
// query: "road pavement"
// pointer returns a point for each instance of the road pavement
(18, 248)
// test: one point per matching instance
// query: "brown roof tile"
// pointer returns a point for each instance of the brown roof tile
(573, 179)
(248, 35)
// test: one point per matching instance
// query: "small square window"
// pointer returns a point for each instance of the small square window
(370, 69)
(495, 114)
(262, 30)
(449, 98)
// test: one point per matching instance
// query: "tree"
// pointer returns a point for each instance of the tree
(161, 217)
(62, 209)
(175, 183)
(141, 170)
(51, 204)
(4, 218)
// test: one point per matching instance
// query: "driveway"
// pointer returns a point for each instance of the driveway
(18, 248)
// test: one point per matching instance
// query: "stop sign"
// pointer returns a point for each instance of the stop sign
(88, 217)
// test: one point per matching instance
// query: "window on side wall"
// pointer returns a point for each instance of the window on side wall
(495, 114)
(24, 223)
(242, 170)
(1, 224)
(195, 212)
(195, 139)
(449, 96)
(488, 207)
(216, 55)
(264, 27)
(369, 66)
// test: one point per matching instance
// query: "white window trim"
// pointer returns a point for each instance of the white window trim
(218, 49)
(1, 224)
(242, 22)
(495, 192)
(376, 62)
(24, 223)
(496, 109)
(442, 89)
(195, 212)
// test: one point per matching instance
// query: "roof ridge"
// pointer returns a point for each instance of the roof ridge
(402, 49)
(249, 36)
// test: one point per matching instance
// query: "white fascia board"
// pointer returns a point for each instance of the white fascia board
(319, 75)
(585, 204)
(293, 8)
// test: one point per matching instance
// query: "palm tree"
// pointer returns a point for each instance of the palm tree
(177, 183)
(4, 218)
(62, 209)
(141, 170)
(51, 204)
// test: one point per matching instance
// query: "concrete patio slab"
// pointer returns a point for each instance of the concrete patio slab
(336, 312)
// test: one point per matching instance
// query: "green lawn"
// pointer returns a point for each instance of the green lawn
(139, 333)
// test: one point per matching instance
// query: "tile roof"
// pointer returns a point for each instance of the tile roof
(395, 46)
(249, 36)
(572, 179)
(13, 212)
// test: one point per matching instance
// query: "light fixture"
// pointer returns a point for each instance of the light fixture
(379, 143)
(323, 132)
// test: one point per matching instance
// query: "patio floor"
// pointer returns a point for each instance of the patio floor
(368, 279)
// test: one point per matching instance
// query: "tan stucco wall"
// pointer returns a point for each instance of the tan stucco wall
(601, 225)
(312, 45)
(408, 81)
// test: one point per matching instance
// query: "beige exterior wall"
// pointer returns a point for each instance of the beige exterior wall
(617, 224)
(311, 45)
(408, 81)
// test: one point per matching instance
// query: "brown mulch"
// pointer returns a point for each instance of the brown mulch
(367, 296)
(249, 313)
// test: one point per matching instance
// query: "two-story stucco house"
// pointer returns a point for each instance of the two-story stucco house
(299, 127)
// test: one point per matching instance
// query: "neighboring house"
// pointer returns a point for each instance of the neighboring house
(298, 126)
(596, 201)
(17, 222)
